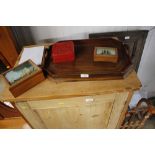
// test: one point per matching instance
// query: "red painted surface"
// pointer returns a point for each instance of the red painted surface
(63, 52)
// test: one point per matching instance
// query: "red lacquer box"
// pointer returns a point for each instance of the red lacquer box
(63, 52)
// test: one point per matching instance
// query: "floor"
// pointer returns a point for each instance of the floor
(150, 124)
(14, 123)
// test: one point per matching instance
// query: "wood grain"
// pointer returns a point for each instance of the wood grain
(122, 116)
(58, 104)
(84, 61)
(135, 41)
(7, 46)
(12, 123)
(27, 84)
(118, 106)
(30, 115)
(50, 89)
(7, 111)
(77, 112)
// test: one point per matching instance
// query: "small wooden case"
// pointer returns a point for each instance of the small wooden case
(106, 54)
(23, 77)
(63, 52)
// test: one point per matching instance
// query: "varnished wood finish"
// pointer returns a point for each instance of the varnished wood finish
(7, 46)
(84, 62)
(7, 112)
(135, 41)
(105, 58)
(13, 123)
(27, 82)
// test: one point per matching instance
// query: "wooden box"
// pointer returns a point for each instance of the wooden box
(63, 52)
(23, 77)
(106, 54)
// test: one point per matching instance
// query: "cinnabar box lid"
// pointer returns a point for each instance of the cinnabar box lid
(63, 52)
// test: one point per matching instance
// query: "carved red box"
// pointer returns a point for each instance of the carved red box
(63, 52)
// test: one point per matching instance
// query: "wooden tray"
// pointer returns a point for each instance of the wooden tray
(84, 67)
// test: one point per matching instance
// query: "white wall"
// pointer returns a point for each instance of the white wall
(75, 32)
(146, 70)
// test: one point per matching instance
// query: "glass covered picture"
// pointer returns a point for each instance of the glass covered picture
(106, 54)
(20, 72)
(106, 51)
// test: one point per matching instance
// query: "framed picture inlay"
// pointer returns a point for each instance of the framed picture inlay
(106, 54)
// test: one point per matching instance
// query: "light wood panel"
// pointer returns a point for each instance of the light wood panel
(125, 108)
(118, 106)
(50, 89)
(30, 115)
(77, 112)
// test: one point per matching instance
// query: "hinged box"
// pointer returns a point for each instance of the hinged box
(63, 52)
(23, 77)
(106, 54)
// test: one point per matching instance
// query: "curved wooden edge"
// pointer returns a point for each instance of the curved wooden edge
(7, 112)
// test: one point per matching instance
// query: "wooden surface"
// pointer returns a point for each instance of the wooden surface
(84, 61)
(98, 111)
(81, 104)
(50, 89)
(118, 106)
(13, 123)
(30, 116)
(27, 84)
(125, 109)
(135, 40)
(7, 46)
(7, 111)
